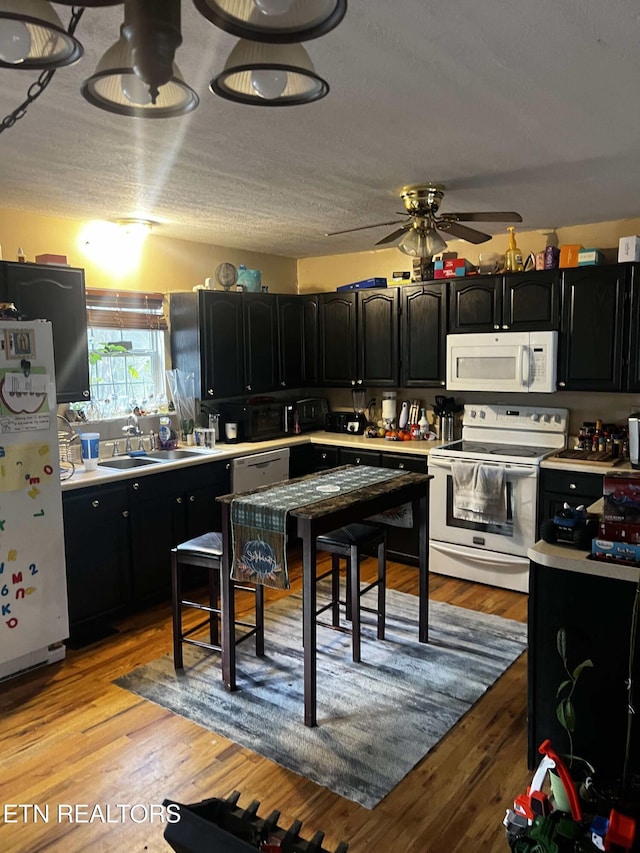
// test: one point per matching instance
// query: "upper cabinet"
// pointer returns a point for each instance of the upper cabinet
(298, 340)
(243, 343)
(593, 334)
(57, 294)
(513, 302)
(424, 335)
(359, 338)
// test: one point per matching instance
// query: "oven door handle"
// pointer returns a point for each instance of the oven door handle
(477, 556)
(510, 470)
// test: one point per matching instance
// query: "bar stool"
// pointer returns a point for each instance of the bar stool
(351, 542)
(206, 552)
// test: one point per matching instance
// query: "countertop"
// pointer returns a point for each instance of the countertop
(587, 467)
(569, 559)
(82, 479)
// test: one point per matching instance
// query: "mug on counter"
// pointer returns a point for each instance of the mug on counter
(205, 437)
(231, 431)
(90, 449)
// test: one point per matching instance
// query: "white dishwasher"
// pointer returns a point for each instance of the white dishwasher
(259, 469)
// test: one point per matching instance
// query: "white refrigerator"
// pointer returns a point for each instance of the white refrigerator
(34, 619)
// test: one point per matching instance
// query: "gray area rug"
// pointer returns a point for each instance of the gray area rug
(376, 719)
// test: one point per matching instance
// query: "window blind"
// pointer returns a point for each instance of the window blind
(129, 309)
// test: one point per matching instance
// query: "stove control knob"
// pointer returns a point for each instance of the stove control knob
(556, 419)
(483, 414)
(473, 413)
(535, 416)
(546, 418)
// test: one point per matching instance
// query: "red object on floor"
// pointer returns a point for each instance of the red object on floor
(621, 831)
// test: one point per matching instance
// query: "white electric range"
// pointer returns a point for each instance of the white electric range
(517, 438)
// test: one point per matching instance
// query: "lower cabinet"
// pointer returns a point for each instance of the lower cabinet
(574, 487)
(118, 537)
(96, 527)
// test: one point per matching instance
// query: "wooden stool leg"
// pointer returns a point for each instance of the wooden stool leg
(214, 601)
(260, 620)
(347, 595)
(335, 590)
(354, 572)
(382, 587)
(176, 591)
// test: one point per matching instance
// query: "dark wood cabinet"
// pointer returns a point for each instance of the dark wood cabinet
(574, 487)
(298, 340)
(424, 335)
(96, 537)
(118, 537)
(596, 614)
(403, 542)
(325, 457)
(513, 302)
(359, 338)
(57, 294)
(207, 340)
(531, 301)
(475, 304)
(631, 357)
(260, 331)
(592, 332)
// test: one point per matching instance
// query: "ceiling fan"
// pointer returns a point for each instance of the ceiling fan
(421, 238)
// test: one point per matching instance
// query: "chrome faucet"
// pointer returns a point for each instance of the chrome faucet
(132, 428)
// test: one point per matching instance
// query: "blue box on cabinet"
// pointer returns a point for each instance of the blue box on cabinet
(365, 283)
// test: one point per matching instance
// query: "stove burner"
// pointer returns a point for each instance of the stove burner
(518, 451)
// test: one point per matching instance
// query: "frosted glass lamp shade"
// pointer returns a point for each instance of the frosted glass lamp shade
(274, 21)
(115, 87)
(422, 243)
(269, 75)
(32, 36)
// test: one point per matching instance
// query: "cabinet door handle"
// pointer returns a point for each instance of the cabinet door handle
(400, 464)
(248, 387)
(210, 392)
(85, 393)
(572, 486)
(125, 513)
(136, 486)
(561, 384)
(192, 498)
(283, 384)
(357, 460)
(359, 381)
(353, 381)
(505, 326)
(228, 466)
(496, 327)
(95, 504)
(324, 456)
(178, 500)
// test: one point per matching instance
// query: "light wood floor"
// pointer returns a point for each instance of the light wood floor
(69, 736)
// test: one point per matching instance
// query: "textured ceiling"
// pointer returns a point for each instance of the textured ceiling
(533, 107)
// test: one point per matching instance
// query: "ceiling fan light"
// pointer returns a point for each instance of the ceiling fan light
(116, 88)
(275, 21)
(422, 242)
(32, 36)
(269, 75)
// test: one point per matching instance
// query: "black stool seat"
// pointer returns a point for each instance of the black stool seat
(205, 551)
(351, 542)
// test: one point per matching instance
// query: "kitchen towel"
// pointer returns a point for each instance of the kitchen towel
(479, 492)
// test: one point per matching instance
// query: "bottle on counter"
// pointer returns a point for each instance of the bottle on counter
(21, 256)
(423, 423)
(513, 256)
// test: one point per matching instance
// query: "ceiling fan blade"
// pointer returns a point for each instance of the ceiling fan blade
(484, 216)
(462, 232)
(362, 228)
(395, 234)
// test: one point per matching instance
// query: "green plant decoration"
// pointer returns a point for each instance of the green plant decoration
(565, 710)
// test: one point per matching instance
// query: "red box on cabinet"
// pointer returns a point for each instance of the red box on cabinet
(52, 259)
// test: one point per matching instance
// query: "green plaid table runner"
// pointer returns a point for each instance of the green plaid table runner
(259, 522)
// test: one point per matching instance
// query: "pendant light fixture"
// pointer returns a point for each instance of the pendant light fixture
(274, 21)
(422, 241)
(137, 75)
(32, 37)
(271, 75)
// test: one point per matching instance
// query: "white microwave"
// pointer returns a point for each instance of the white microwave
(504, 361)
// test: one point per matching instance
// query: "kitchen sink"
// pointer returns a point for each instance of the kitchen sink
(126, 462)
(170, 455)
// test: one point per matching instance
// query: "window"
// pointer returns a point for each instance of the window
(126, 334)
